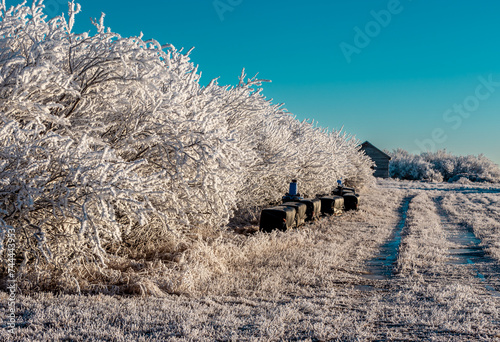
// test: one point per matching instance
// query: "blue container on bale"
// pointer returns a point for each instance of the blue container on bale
(281, 218)
(313, 206)
(293, 191)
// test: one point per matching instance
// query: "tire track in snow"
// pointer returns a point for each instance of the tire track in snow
(381, 267)
(425, 298)
(467, 250)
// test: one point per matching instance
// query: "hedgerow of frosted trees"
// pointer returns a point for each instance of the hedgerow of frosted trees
(108, 140)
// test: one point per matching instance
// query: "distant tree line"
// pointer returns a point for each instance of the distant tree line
(442, 166)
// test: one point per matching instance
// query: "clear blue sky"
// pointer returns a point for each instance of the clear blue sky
(391, 84)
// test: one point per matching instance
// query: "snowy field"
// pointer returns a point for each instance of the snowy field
(418, 261)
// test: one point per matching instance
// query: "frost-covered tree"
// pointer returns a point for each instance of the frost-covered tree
(109, 142)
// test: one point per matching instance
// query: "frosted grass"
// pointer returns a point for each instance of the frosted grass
(300, 285)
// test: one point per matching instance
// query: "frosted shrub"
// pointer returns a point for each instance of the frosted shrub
(404, 165)
(66, 200)
(110, 148)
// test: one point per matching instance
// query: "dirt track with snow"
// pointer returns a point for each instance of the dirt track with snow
(418, 261)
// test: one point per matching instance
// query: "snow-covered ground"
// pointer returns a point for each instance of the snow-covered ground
(330, 280)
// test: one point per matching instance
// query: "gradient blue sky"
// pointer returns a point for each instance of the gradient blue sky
(427, 58)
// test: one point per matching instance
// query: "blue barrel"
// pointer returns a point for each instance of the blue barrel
(293, 188)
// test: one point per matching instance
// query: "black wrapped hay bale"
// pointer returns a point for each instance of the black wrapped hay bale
(300, 211)
(351, 201)
(313, 207)
(281, 218)
(332, 205)
(341, 191)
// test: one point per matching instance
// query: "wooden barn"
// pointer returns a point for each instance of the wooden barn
(380, 158)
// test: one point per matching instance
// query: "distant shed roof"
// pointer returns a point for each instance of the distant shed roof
(368, 144)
